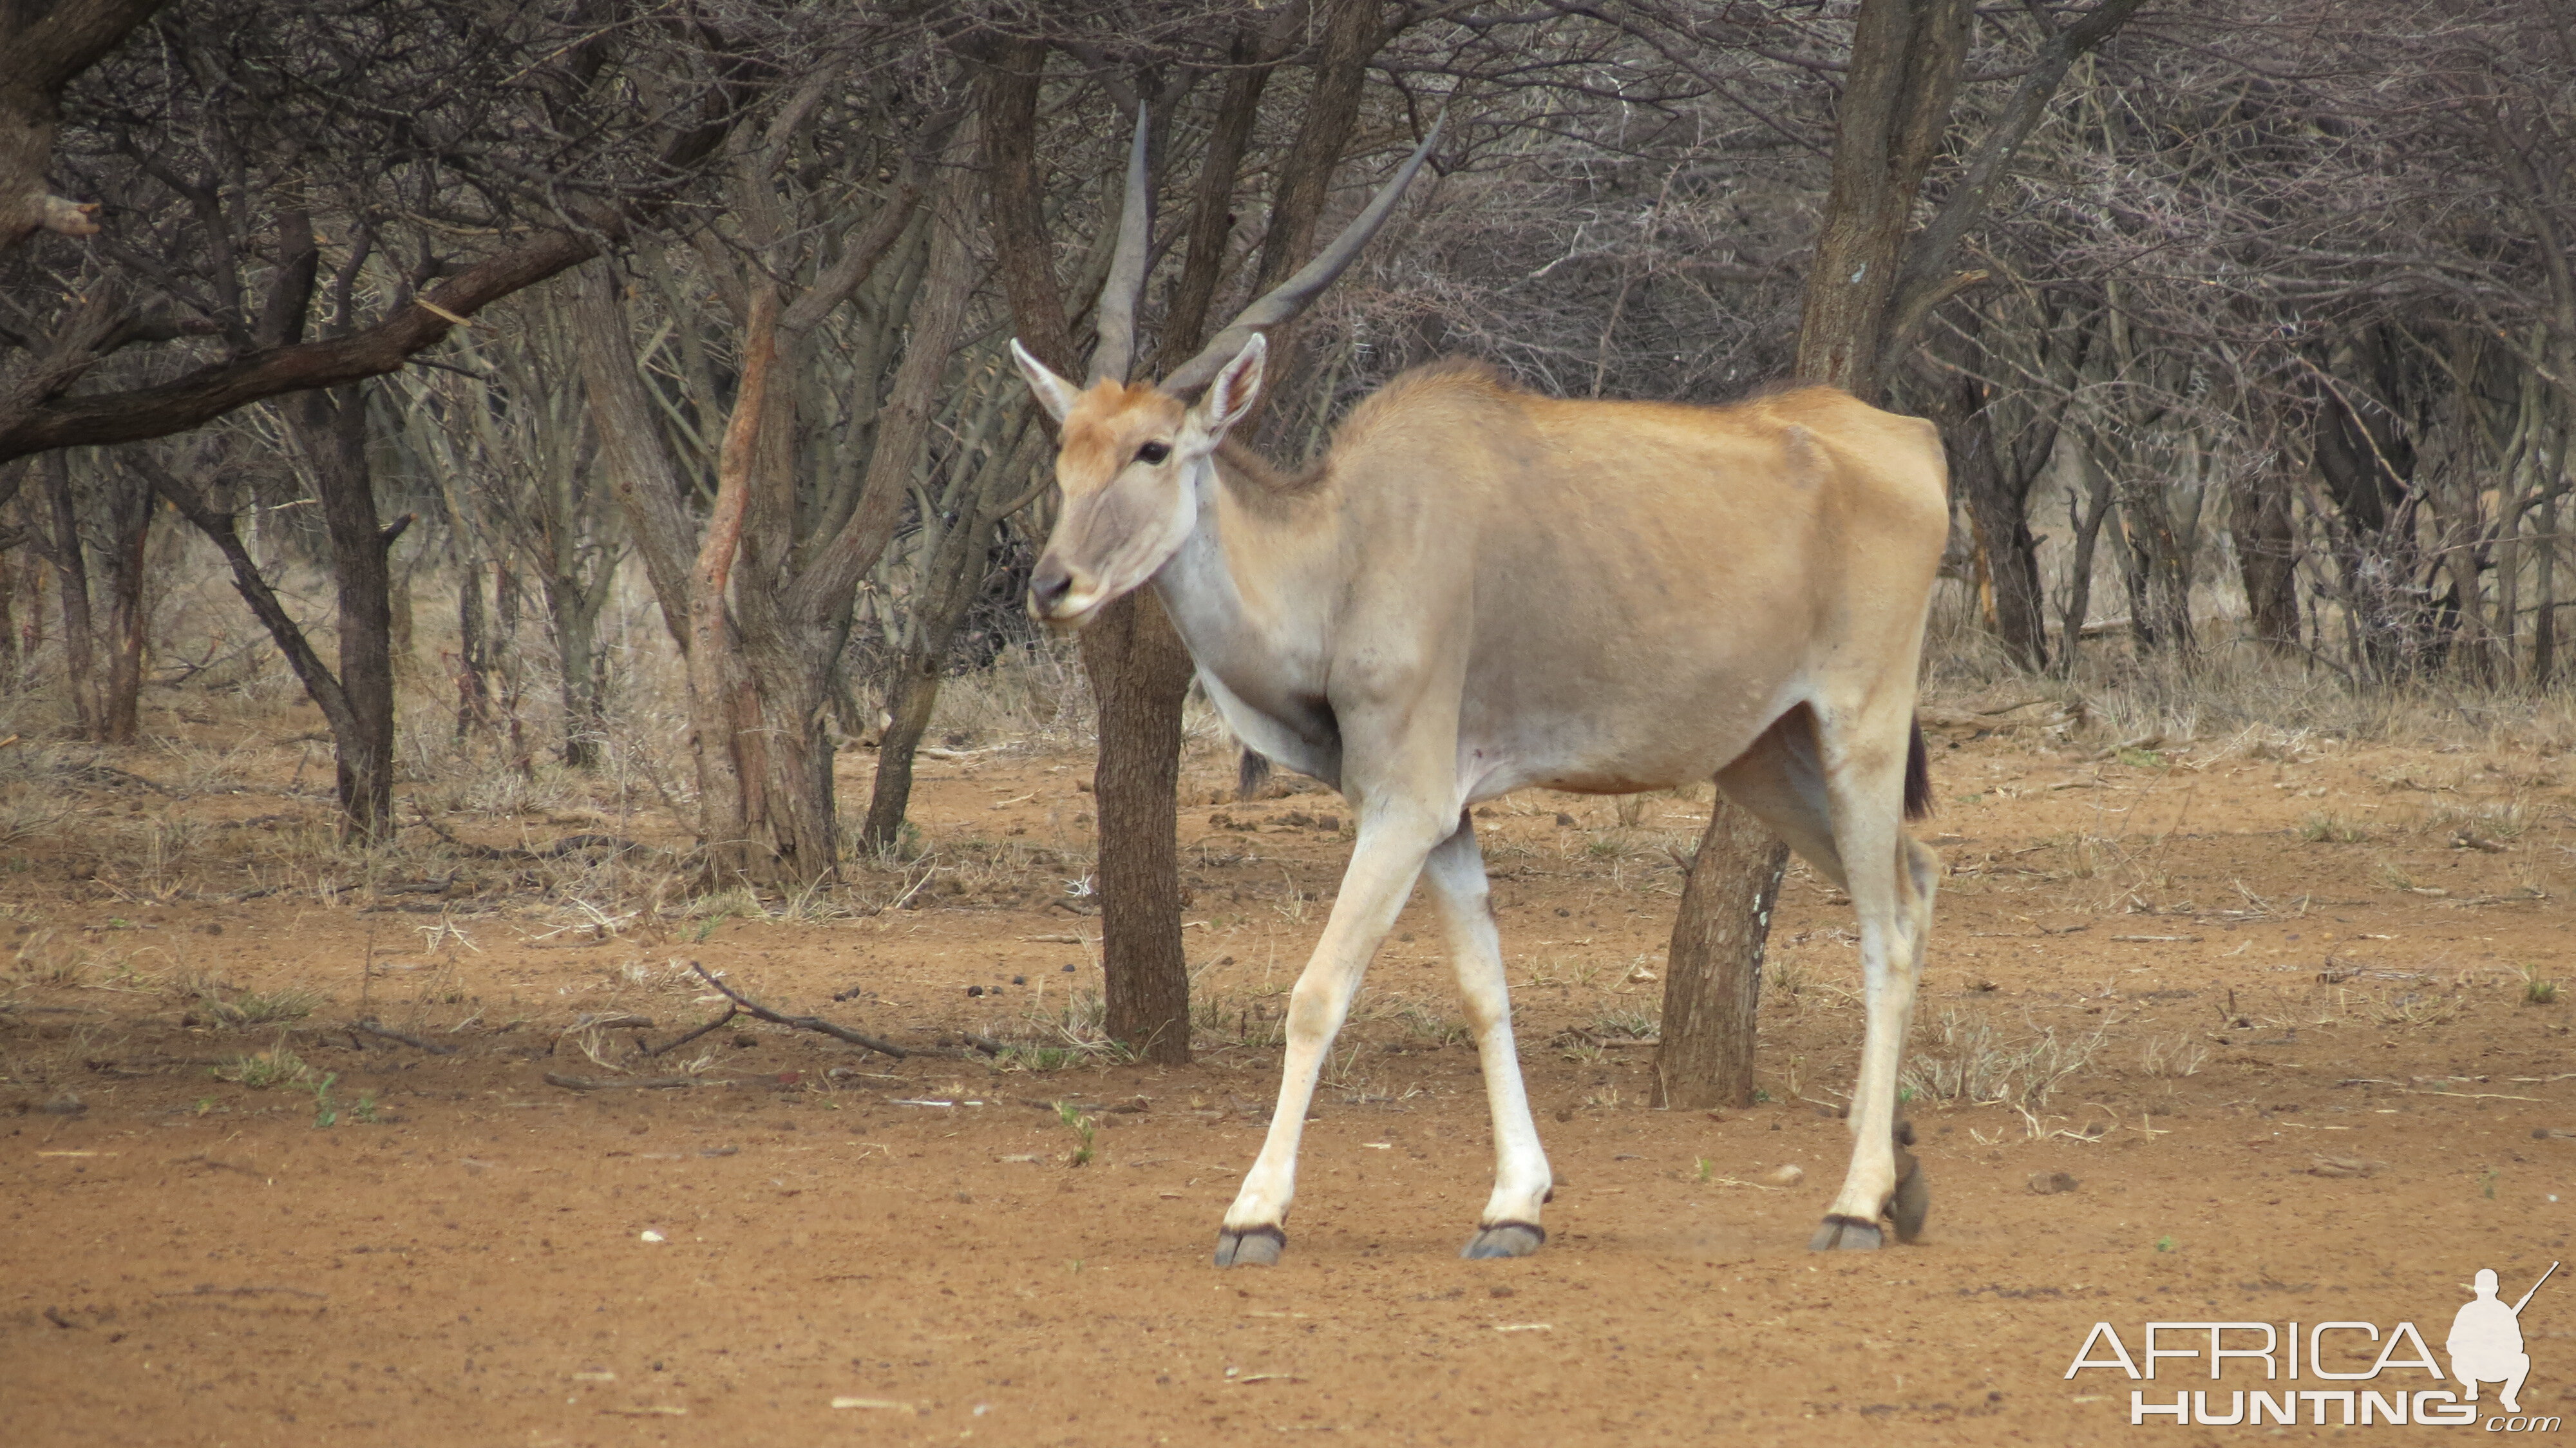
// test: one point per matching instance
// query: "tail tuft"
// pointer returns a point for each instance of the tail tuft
(1918, 776)
(1253, 771)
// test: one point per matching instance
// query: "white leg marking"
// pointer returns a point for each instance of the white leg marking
(1456, 873)
(1383, 867)
(1894, 916)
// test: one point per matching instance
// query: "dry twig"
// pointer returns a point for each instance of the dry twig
(802, 1023)
(730, 1012)
(373, 1029)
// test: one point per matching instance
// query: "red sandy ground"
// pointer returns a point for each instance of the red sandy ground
(189, 1261)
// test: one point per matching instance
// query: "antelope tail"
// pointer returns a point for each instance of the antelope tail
(1918, 776)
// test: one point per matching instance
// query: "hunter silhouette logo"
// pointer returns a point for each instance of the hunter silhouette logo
(2485, 1346)
(2486, 1341)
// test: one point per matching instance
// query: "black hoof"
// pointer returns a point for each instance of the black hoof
(1250, 1247)
(1505, 1239)
(1912, 1201)
(1845, 1234)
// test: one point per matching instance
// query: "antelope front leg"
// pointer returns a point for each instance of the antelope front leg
(1381, 874)
(1510, 1226)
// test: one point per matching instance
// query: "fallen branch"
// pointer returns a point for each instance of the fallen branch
(730, 1012)
(641, 1083)
(208, 1289)
(568, 845)
(801, 1023)
(415, 1042)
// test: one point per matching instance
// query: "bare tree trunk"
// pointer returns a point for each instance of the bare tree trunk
(511, 695)
(9, 574)
(66, 552)
(473, 651)
(1212, 214)
(574, 610)
(2155, 564)
(945, 592)
(1905, 62)
(1140, 673)
(2544, 619)
(2096, 508)
(264, 605)
(129, 510)
(334, 428)
(913, 694)
(2267, 556)
(1713, 992)
(914, 691)
(2006, 552)
(1138, 667)
(1353, 33)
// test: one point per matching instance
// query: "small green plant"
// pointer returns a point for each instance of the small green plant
(1081, 1126)
(1035, 1058)
(2487, 1182)
(1704, 1172)
(2141, 758)
(365, 1110)
(2165, 1243)
(2536, 991)
(1761, 1097)
(2326, 829)
(326, 1112)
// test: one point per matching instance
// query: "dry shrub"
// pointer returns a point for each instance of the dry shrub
(1966, 1056)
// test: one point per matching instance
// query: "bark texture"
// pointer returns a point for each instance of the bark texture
(1140, 673)
(1713, 992)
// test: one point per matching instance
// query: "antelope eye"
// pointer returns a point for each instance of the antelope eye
(1153, 452)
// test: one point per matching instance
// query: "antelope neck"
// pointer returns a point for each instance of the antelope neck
(1250, 592)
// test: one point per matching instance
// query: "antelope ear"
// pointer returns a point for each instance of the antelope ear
(1236, 388)
(1054, 393)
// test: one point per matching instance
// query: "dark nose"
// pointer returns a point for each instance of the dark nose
(1048, 587)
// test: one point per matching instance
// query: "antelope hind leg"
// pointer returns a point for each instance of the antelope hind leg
(1891, 890)
(1510, 1224)
(1912, 1202)
(1907, 1207)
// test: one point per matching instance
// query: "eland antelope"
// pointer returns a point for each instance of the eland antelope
(1478, 589)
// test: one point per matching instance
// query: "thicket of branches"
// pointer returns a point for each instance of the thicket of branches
(2269, 320)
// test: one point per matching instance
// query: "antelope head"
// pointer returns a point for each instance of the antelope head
(1134, 461)
(1130, 470)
